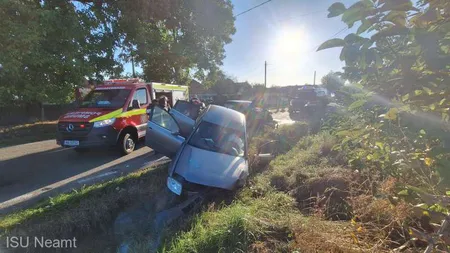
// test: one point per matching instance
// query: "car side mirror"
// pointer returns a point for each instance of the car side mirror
(135, 104)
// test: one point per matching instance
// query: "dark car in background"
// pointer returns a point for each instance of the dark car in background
(242, 106)
(308, 101)
(256, 116)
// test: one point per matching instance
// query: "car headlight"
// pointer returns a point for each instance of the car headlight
(174, 185)
(103, 123)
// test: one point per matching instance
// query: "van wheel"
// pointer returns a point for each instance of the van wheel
(127, 143)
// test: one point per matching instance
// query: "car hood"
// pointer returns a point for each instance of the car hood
(89, 114)
(210, 168)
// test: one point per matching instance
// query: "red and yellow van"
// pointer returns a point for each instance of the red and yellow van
(114, 114)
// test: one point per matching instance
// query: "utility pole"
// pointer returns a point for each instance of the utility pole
(265, 74)
(314, 77)
(132, 66)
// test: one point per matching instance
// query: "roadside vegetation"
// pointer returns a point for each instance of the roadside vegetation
(26, 133)
(87, 214)
(376, 175)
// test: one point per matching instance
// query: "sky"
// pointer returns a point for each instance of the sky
(286, 34)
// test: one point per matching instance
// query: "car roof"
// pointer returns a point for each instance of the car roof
(239, 101)
(225, 117)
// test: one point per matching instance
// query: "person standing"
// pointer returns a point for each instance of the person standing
(164, 103)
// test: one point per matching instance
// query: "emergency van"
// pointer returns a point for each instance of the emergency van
(114, 114)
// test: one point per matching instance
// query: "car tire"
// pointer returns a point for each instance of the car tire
(127, 143)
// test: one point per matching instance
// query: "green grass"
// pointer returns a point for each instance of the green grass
(85, 210)
(237, 227)
(265, 216)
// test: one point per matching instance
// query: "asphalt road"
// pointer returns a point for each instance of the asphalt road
(33, 171)
(28, 171)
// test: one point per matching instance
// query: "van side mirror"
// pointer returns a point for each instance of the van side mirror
(135, 104)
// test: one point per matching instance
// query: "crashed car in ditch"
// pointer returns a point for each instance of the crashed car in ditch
(210, 151)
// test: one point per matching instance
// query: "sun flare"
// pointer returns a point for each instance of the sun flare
(290, 42)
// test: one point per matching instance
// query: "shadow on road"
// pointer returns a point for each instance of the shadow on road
(26, 133)
(24, 174)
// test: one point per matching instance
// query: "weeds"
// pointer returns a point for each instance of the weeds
(85, 211)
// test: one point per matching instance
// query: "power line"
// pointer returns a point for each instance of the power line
(342, 30)
(254, 7)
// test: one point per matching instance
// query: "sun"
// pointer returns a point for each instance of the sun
(290, 42)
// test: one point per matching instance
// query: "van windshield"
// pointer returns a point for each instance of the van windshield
(113, 98)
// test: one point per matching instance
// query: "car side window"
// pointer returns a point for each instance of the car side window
(141, 96)
(162, 118)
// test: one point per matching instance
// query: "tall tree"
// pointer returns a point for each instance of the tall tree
(188, 42)
(48, 47)
(332, 82)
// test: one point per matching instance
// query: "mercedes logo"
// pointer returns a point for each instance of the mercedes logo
(70, 128)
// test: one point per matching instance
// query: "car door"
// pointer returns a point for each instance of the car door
(189, 109)
(163, 133)
(139, 116)
(185, 114)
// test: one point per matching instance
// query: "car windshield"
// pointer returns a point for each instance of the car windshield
(114, 98)
(216, 138)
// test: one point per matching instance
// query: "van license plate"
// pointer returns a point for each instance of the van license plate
(71, 143)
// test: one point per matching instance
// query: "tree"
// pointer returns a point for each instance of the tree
(189, 42)
(332, 82)
(399, 122)
(48, 47)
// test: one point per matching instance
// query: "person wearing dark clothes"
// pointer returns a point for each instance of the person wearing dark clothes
(164, 103)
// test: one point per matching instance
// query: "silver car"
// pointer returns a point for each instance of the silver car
(208, 151)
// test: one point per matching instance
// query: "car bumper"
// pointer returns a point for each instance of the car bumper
(96, 137)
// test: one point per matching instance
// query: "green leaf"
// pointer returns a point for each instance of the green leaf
(442, 101)
(353, 38)
(331, 43)
(396, 17)
(391, 114)
(380, 145)
(405, 97)
(357, 104)
(366, 24)
(428, 90)
(447, 193)
(422, 132)
(353, 14)
(336, 9)
(403, 193)
(390, 31)
(418, 92)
